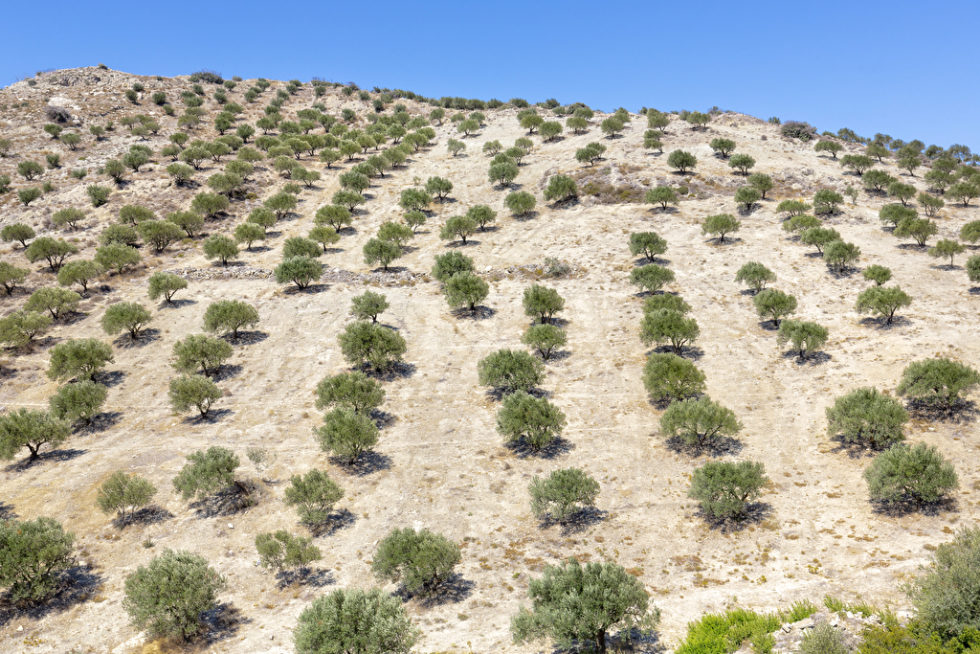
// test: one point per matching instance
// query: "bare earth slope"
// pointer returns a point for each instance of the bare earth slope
(444, 464)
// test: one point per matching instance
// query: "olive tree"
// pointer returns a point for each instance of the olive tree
(805, 337)
(840, 256)
(22, 233)
(698, 422)
(946, 248)
(450, 263)
(761, 183)
(347, 434)
(877, 273)
(774, 304)
(421, 561)
(741, 163)
(170, 596)
(124, 494)
(746, 197)
(53, 250)
(868, 418)
(379, 347)
(755, 276)
(31, 429)
(193, 391)
(819, 237)
(883, 301)
(368, 305)
(681, 161)
(910, 475)
(668, 377)
(826, 201)
(333, 215)
(528, 421)
(651, 277)
(662, 195)
(314, 496)
(226, 316)
(281, 551)
(544, 338)
(78, 272)
(561, 188)
(574, 604)
(918, 229)
(649, 244)
(56, 301)
(509, 371)
(78, 359)
(200, 351)
(937, 382)
(18, 329)
(458, 227)
(300, 270)
(382, 251)
(722, 147)
(125, 316)
(35, 557)
(562, 495)
(725, 489)
(465, 289)
(662, 326)
(720, 225)
(944, 594)
(520, 203)
(542, 303)
(355, 621)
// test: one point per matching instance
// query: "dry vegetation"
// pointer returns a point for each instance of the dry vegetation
(443, 466)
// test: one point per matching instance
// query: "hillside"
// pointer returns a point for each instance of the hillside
(440, 462)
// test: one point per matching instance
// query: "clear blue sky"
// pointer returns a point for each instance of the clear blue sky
(899, 67)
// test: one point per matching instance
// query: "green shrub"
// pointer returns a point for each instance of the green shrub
(698, 422)
(681, 161)
(944, 594)
(11, 276)
(824, 639)
(450, 263)
(79, 272)
(725, 489)
(124, 494)
(544, 338)
(561, 189)
(509, 371)
(220, 247)
(314, 496)
(562, 495)
(720, 225)
(200, 351)
(420, 560)
(520, 203)
(867, 418)
(347, 434)
(35, 555)
(78, 401)
(169, 596)
(574, 604)
(353, 620)
(226, 316)
(364, 343)
(78, 359)
(280, 551)
(668, 326)
(368, 305)
(668, 377)
(755, 276)
(804, 336)
(910, 475)
(529, 421)
(193, 391)
(125, 316)
(937, 382)
(774, 304)
(877, 274)
(883, 301)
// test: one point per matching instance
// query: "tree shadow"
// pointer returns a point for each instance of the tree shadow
(755, 512)
(524, 217)
(258, 248)
(145, 337)
(453, 590)
(718, 446)
(974, 290)
(908, 506)
(556, 356)
(310, 289)
(222, 623)
(883, 324)
(946, 266)
(564, 204)
(7, 512)
(304, 576)
(56, 456)
(367, 463)
(856, 450)
(70, 317)
(576, 523)
(336, 521)
(390, 270)
(397, 370)
(226, 371)
(843, 273)
(912, 246)
(176, 304)
(688, 351)
(553, 449)
(479, 312)
(728, 240)
(642, 261)
(460, 244)
(78, 584)
(810, 358)
(637, 641)
(109, 378)
(148, 515)
(232, 500)
(213, 415)
(100, 422)
(961, 411)
(246, 337)
(383, 419)
(769, 325)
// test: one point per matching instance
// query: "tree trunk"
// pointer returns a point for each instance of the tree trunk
(600, 641)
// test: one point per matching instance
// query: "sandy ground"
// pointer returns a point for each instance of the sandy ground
(446, 468)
